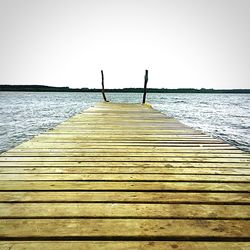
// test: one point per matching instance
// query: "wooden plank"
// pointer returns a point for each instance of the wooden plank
(97, 210)
(122, 245)
(74, 145)
(118, 139)
(127, 197)
(127, 177)
(124, 164)
(128, 150)
(125, 154)
(124, 170)
(125, 159)
(123, 186)
(75, 136)
(146, 229)
(79, 130)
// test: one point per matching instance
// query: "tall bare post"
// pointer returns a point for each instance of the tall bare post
(103, 92)
(145, 86)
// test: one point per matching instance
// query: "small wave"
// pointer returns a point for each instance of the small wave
(180, 101)
(3, 132)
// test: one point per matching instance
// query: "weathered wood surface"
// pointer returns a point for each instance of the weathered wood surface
(124, 176)
(122, 245)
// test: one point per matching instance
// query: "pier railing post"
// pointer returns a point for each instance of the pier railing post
(145, 86)
(103, 91)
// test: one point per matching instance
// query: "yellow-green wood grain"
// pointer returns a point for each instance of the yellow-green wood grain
(126, 197)
(124, 186)
(117, 228)
(124, 170)
(87, 210)
(127, 177)
(122, 245)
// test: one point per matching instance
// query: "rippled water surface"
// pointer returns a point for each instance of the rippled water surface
(25, 114)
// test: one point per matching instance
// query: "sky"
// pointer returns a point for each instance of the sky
(183, 43)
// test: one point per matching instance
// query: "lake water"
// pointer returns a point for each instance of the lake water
(25, 114)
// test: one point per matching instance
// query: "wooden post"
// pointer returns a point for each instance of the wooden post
(103, 93)
(145, 86)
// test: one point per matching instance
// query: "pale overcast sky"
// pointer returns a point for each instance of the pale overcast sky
(183, 43)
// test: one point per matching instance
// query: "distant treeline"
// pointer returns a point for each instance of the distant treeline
(42, 88)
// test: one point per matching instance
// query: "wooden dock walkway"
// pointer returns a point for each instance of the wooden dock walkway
(124, 176)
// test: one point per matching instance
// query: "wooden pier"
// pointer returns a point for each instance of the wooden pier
(124, 176)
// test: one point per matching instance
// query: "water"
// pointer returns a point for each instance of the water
(25, 114)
